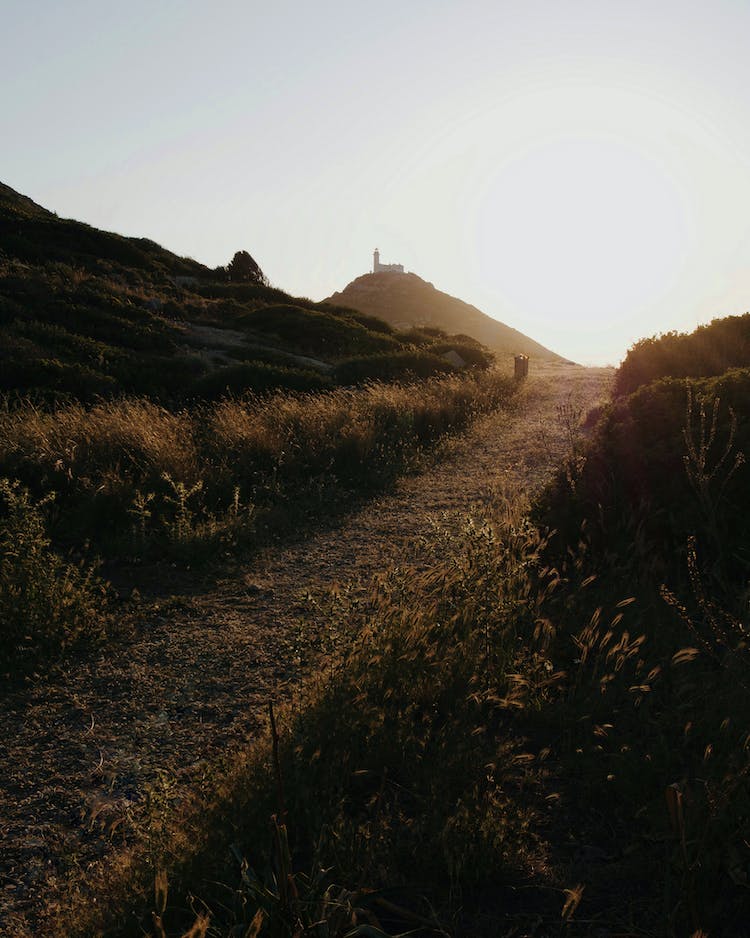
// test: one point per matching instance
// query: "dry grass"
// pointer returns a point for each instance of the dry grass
(129, 472)
(134, 439)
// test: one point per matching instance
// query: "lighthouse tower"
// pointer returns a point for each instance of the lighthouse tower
(376, 261)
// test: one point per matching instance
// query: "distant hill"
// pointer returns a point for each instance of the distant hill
(405, 300)
(88, 314)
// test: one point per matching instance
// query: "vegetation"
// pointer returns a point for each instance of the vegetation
(540, 729)
(125, 471)
(46, 603)
(549, 718)
(710, 350)
(244, 269)
(666, 464)
(69, 334)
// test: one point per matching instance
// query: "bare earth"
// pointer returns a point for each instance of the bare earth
(81, 747)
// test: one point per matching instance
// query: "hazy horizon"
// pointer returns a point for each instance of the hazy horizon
(576, 171)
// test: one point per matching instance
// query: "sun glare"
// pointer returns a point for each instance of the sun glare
(580, 211)
(588, 227)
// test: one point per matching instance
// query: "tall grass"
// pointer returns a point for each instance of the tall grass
(116, 467)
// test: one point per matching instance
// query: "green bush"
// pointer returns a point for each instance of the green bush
(371, 323)
(55, 379)
(474, 354)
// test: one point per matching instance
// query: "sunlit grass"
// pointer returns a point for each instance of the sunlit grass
(124, 470)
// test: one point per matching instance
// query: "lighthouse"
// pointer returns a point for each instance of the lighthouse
(378, 268)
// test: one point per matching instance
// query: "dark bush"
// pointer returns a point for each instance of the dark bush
(390, 366)
(475, 355)
(710, 350)
(50, 375)
(258, 378)
(314, 332)
(657, 469)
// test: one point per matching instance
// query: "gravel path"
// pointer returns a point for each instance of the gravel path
(81, 749)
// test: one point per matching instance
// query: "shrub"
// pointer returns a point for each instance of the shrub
(475, 355)
(391, 366)
(315, 331)
(633, 477)
(257, 378)
(56, 379)
(709, 350)
(46, 603)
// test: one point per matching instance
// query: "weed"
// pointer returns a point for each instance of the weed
(46, 603)
(710, 474)
(181, 526)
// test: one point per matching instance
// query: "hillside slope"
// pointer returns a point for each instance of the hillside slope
(405, 300)
(88, 314)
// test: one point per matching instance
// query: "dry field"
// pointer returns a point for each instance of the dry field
(88, 749)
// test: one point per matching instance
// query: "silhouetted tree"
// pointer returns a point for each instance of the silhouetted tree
(243, 269)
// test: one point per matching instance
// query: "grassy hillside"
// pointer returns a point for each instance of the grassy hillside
(406, 301)
(85, 314)
(151, 408)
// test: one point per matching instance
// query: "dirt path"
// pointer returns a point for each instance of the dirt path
(80, 750)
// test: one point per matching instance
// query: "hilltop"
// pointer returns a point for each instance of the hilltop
(406, 301)
(87, 314)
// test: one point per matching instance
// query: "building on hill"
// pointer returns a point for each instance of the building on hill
(378, 268)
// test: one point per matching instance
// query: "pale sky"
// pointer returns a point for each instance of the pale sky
(579, 170)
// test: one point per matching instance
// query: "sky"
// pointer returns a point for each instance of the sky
(578, 170)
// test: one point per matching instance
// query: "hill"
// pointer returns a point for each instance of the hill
(87, 314)
(406, 301)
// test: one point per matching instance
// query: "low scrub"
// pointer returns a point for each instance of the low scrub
(257, 378)
(414, 364)
(316, 332)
